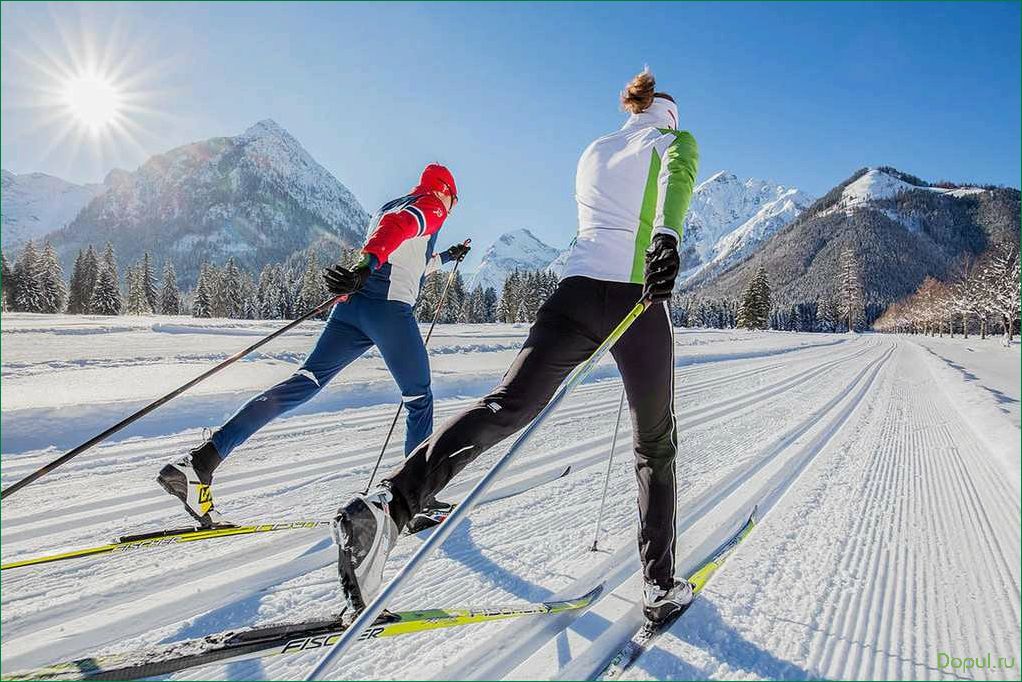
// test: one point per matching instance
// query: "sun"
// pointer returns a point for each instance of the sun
(94, 101)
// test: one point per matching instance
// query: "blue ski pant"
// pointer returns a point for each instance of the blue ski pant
(352, 329)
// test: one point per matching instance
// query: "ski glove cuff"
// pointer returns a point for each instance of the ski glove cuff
(456, 252)
(662, 265)
(343, 281)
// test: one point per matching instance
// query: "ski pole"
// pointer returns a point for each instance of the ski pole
(606, 479)
(462, 510)
(425, 342)
(68, 456)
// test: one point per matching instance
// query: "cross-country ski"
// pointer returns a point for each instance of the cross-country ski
(510, 341)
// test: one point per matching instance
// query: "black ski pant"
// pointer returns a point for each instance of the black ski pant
(579, 315)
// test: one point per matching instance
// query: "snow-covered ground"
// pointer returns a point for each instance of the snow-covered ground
(886, 470)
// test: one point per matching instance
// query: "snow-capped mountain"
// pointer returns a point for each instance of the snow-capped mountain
(901, 229)
(258, 197)
(729, 218)
(35, 204)
(519, 249)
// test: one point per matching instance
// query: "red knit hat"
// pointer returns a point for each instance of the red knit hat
(437, 178)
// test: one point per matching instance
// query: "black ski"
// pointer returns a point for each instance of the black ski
(280, 640)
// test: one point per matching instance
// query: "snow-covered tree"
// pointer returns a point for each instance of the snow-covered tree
(510, 299)
(138, 302)
(754, 309)
(202, 305)
(851, 303)
(148, 282)
(6, 284)
(28, 274)
(489, 305)
(1000, 277)
(313, 289)
(170, 297)
(106, 296)
(83, 282)
(54, 291)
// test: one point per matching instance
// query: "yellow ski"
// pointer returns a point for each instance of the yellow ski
(163, 538)
(281, 640)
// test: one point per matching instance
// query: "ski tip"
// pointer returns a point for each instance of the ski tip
(567, 470)
(754, 516)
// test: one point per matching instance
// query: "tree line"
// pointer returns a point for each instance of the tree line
(982, 294)
(35, 283)
(753, 309)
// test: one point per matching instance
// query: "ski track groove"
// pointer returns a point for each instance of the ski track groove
(609, 403)
(886, 601)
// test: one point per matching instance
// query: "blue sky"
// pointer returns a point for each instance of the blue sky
(509, 94)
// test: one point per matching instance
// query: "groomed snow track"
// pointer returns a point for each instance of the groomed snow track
(888, 534)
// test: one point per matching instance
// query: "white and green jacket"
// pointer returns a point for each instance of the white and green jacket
(630, 185)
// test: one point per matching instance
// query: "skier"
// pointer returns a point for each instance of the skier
(381, 290)
(633, 188)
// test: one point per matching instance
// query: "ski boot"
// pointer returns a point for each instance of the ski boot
(365, 534)
(190, 480)
(433, 514)
(659, 604)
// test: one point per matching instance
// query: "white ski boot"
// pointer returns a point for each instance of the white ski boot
(659, 604)
(191, 479)
(365, 534)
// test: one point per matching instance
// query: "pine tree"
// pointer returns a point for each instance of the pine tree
(249, 309)
(509, 299)
(229, 297)
(828, 315)
(90, 275)
(51, 279)
(7, 284)
(202, 306)
(27, 272)
(170, 297)
(489, 305)
(272, 293)
(455, 298)
(313, 290)
(138, 302)
(850, 297)
(148, 283)
(754, 310)
(76, 305)
(106, 296)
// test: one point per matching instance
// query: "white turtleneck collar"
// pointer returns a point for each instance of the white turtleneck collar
(663, 113)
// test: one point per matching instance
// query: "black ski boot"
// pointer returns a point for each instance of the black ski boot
(433, 514)
(190, 480)
(659, 604)
(365, 534)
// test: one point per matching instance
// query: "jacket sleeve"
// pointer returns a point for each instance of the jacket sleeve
(424, 216)
(676, 181)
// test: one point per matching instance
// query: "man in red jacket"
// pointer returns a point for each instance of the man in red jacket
(381, 291)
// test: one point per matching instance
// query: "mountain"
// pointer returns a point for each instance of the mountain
(520, 250)
(35, 204)
(729, 218)
(259, 197)
(900, 228)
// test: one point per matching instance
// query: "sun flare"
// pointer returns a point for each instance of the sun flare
(94, 101)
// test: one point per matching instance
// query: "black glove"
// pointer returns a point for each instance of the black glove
(662, 264)
(457, 252)
(343, 281)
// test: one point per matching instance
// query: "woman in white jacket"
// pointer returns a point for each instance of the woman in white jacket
(633, 188)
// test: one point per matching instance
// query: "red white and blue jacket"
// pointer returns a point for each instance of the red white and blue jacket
(402, 236)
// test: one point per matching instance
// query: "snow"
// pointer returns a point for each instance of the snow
(36, 204)
(889, 506)
(729, 218)
(875, 185)
(518, 249)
